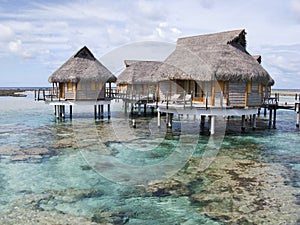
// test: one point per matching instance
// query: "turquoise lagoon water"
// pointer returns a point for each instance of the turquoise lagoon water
(107, 172)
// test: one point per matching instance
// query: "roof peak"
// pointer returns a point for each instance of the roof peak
(84, 52)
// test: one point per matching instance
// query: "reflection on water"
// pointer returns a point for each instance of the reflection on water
(87, 172)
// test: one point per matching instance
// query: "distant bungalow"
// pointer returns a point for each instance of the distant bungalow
(81, 80)
(207, 72)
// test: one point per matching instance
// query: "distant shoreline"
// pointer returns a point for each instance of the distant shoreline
(12, 93)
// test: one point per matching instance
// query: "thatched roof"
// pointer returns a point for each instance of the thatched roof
(150, 72)
(220, 56)
(82, 66)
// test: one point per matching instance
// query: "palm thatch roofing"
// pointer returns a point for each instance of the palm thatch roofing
(82, 66)
(150, 72)
(219, 56)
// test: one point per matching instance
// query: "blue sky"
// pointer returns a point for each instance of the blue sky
(37, 36)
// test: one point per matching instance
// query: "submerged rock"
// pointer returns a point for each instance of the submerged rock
(9, 150)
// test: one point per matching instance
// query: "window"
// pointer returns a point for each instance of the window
(70, 86)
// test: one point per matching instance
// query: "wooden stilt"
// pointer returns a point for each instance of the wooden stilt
(101, 112)
(212, 125)
(270, 118)
(158, 119)
(95, 111)
(254, 122)
(274, 118)
(133, 123)
(125, 107)
(63, 111)
(71, 111)
(169, 120)
(243, 123)
(108, 111)
(139, 109)
(202, 122)
(57, 111)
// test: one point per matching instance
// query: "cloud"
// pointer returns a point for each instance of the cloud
(6, 33)
(49, 33)
(295, 5)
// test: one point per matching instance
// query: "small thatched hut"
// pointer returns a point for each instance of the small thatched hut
(82, 77)
(214, 68)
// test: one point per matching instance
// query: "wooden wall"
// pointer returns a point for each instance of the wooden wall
(237, 92)
(85, 91)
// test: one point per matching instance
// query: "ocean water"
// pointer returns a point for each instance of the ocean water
(83, 171)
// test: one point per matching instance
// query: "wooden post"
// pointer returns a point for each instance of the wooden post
(139, 109)
(202, 121)
(57, 111)
(243, 123)
(101, 112)
(95, 111)
(169, 120)
(108, 111)
(158, 118)
(254, 122)
(270, 118)
(145, 109)
(212, 125)
(71, 112)
(63, 111)
(98, 113)
(133, 123)
(297, 109)
(125, 107)
(274, 117)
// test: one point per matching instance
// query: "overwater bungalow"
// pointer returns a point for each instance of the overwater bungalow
(81, 80)
(212, 72)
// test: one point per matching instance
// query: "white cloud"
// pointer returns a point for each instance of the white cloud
(295, 4)
(52, 32)
(6, 33)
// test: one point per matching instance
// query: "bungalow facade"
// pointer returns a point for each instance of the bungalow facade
(82, 78)
(213, 69)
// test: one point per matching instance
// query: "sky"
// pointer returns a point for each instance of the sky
(37, 37)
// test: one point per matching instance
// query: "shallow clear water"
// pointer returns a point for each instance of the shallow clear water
(106, 171)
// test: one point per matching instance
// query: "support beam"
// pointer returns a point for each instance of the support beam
(101, 112)
(108, 111)
(95, 111)
(71, 112)
(212, 125)
(274, 117)
(243, 123)
(254, 122)
(125, 107)
(63, 111)
(158, 119)
(270, 118)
